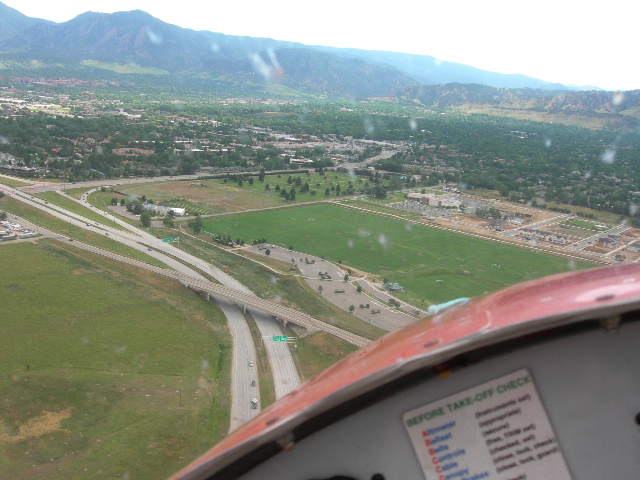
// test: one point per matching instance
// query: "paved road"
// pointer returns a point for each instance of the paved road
(242, 339)
(617, 230)
(388, 319)
(285, 374)
(536, 226)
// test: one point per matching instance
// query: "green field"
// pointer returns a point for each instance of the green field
(13, 182)
(94, 357)
(129, 68)
(584, 224)
(414, 256)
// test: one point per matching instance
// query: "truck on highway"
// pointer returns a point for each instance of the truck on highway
(254, 402)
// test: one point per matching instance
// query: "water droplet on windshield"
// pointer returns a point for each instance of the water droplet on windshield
(153, 37)
(617, 99)
(4, 140)
(413, 125)
(350, 243)
(609, 156)
(547, 142)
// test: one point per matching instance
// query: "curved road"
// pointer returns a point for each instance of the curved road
(283, 368)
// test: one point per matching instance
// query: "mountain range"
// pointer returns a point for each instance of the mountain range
(137, 38)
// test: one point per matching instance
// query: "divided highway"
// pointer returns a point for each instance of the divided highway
(283, 368)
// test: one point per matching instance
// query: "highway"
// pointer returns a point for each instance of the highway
(243, 347)
(283, 368)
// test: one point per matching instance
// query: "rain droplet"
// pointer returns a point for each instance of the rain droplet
(99, 150)
(408, 227)
(618, 97)
(368, 126)
(363, 234)
(277, 298)
(204, 364)
(571, 264)
(437, 62)
(413, 125)
(153, 37)
(382, 240)
(587, 175)
(350, 243)
(547, 142)
(273, 280)
(215, 47)
(462, 186)
(633, 209)
(3, 140)
(609, 156)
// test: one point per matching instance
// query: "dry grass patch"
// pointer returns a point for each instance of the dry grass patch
(43, 424)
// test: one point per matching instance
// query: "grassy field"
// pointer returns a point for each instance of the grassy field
(97, 388)
(317, 352)
(61, 227)
(413, 256)
(216, 196)
(128, 68)
(584, 224)
(77, 192)
(585, 121)
(13, 182)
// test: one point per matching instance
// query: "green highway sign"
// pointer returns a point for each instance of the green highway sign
(279, 338)
(165, 239)
(172, 239)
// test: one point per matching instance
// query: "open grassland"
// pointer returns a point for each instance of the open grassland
(584, 224)
(203, 197)
(575, 119)
(219, 196)
(317, 352)
(77, 192)
(106, 371)
(414, 256)
(65, 229)
(128, 68)
(287, 289)
(13, 182)
(318, 183)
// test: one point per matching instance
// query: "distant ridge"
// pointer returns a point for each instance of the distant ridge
(137, 38)
(13, 22)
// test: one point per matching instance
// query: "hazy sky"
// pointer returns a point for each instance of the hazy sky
(582, 43)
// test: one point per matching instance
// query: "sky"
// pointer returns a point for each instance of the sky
(569, 42)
